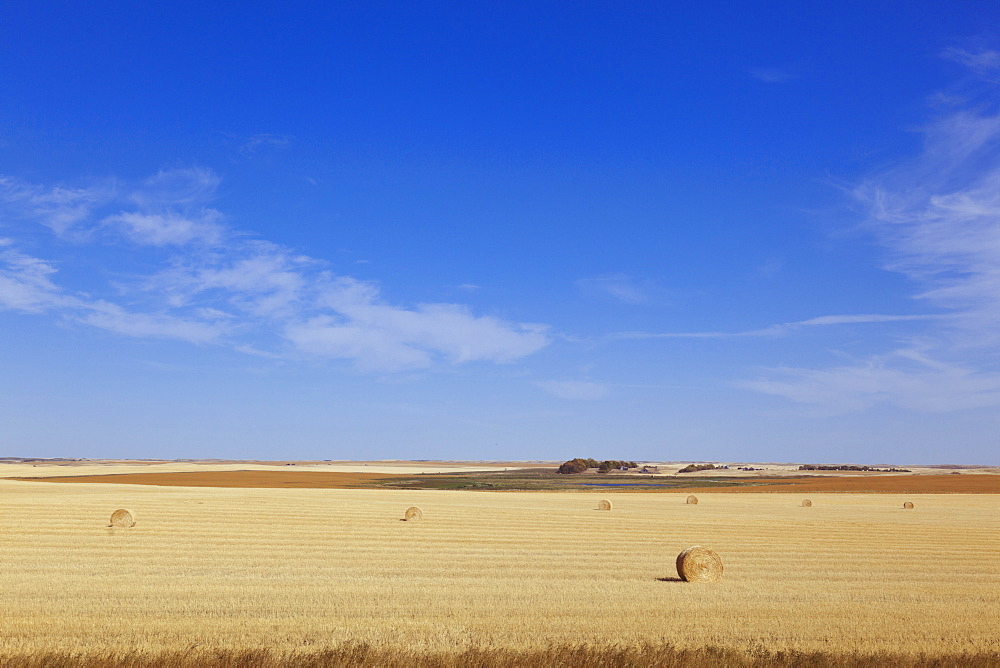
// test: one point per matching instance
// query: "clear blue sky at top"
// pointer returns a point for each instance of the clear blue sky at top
(626, 209)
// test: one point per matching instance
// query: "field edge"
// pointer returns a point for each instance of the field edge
(564, 655)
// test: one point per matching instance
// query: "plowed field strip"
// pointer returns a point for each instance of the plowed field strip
(247, 479)
(895, 484)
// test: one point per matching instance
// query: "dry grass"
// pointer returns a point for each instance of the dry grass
(361, 655)
(493, 572)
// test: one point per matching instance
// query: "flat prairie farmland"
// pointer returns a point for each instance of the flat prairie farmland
(298, 569)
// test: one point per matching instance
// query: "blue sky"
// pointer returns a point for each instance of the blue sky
(537, 231)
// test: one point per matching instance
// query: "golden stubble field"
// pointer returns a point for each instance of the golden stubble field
(308, 568)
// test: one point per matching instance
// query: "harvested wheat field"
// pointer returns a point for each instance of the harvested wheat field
(299, 569)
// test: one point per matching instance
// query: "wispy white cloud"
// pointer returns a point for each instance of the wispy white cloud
(166, 209)
(378, 350)
(407, 338)
(771, 74)
(621, 287)
(182, 187)
(264, 140)
(26, 282)
(896, 379)
(980, 61)
(58, 208)
(212, 284)
(170, 209)
(857, 319)
(257, 278)
(169, 228)
(115, 318)
(782, 329)
(938, 217)
(340, 317)
(574, 389)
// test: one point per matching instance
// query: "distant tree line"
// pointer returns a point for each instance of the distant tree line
(848, 467)
(691, 468)
(579, 465)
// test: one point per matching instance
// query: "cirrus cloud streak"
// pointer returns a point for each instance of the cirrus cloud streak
(938, 218)
(211, 284)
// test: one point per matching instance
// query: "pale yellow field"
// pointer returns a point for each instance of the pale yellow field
(102, 467)
(300, 569)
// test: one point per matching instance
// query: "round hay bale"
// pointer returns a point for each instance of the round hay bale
(806, 503)
(692, 500)
(699, 564)
(908, 504)
(123, 518)
(413, 513)
(604, 505)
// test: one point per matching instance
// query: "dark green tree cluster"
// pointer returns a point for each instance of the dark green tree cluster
(691, 468)
(579, 465)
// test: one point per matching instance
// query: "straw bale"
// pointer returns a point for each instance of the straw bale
(413, 513)
(806, 503)
(692, 499)
(699, 564)
(604, 505)
(908, 504)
